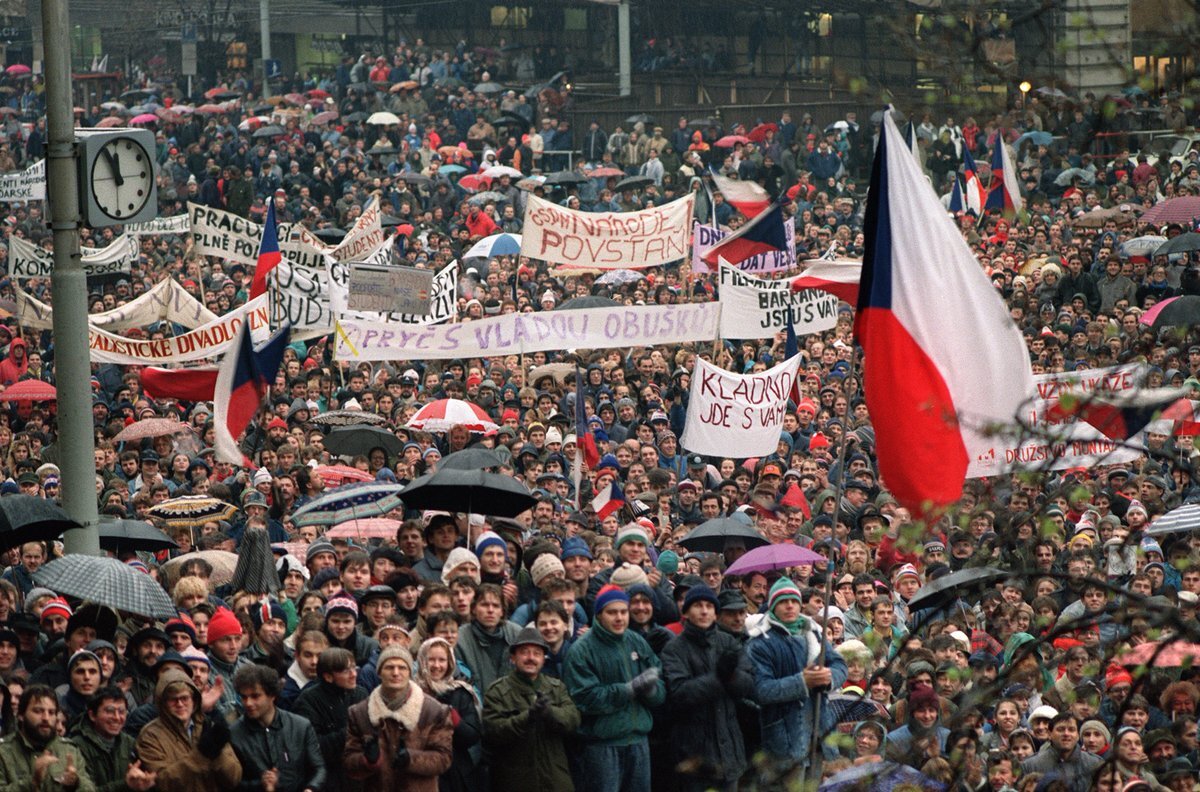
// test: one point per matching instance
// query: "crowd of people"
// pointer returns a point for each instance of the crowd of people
(564, 649)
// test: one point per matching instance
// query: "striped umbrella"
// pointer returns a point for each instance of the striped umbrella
(441, 415)
(374, 528)
(349, 502)
(336, 475)
(106, 581)
(255, 571)
(192, 511)
(348, 418)
(1181, 520)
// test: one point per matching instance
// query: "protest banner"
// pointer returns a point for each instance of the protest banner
(26, 185)
(207, 341)
(737, 415)
(27, 260)
(216, 232)
(705, 237)
(1057, 444)
(375, 287)
(752, 307)
(607, 240)
(166, 300)
(299, 296)
(443, 295)
(511, 334)
(364, 237)
(176, 224)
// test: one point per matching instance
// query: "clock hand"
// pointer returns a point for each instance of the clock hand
(115, 165)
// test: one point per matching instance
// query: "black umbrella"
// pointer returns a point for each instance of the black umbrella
(696, 123)
(566, 177)
(139, 94)
(1183, 243)
(380, 151)
(588, 301)
(24, 518)
(640, 118)
(1181, 312)
(347, 418)
(417, 179)
(469, 491)
(106, 581)
(353, 440)
(448, 82)
(473, 458)
(121, 536)
(356, 116)
(268, 131)
(222, 96)
(330, 234)
(634, 183)
(713, 535)
(945, 590)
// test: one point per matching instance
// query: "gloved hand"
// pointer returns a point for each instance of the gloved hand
(214, 738)
(540, 707)
(727, 663)
(644, 683)
(401, 758)
(371, 750)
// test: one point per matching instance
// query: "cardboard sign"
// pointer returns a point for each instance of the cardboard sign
(383, 288)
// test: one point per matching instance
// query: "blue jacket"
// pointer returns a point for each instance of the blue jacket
(786, 713)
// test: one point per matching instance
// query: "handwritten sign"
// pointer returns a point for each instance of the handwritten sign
(607, 240)
(738, 415)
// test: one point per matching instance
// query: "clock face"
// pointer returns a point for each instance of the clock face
(122, 178)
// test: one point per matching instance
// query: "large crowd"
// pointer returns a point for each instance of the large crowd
(562, 649)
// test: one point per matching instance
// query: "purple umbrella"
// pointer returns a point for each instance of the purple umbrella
(773, 557)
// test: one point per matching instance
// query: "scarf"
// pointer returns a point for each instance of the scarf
(405, 710)
(793, 628)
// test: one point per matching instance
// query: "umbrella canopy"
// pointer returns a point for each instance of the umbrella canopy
(351, 501)
(1071, 174)
(1182, 312)
(150, 427)
(495, 245)
(620, 277)
(640, 118)
(491, 196)
(1099, 217)
(109, 122)
(17, 69)
(337, 475)
(496, 171)
(1184, 519)
(222, 562)
(440, 415)
(112, 105)
(879, 777)
(144, 118)
(851, 708)
(451, 169)
(945, 590)
(531, 183)
(565, 177)
(120, 536)
(474, 181)
(586, 302)
(374, 528)
(268, 131)
(1149, 316)
(729, 141)
(1174, 210)
(216, 94)
(1184, 243)
(1037, 137)
(24, 518)
(488, 88)
(1161, 654)
(772, 557)
(473, 491)
(383, 118)
(759, 133)
(348, 418)
(1142, 246)
(356, 116)
(324, 117)
(352, 440)
(106, 581)
(192, 511)
(712, 536)
(210, 109)
(634, 183)
(604, 173)
(29, 390)
(560, 372)
(382, 151)
(474, 458)
(255, 570)
(416, 179)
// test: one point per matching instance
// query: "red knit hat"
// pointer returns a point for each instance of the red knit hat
(223, 624)
(56, 607)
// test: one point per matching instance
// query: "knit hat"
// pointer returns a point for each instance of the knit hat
(395, 652)
(223, 624)
(56, 607)
(342, 603)
(1117, 676)
(668, 562)
(317, 548)
(489, 539)
(192, 653)
(36, 593)
(627, 575)
(784, 589)
(607, 596)
(324, 576)
(700, 593)
(1097, 725)
(181, 623)
(574, 546)
(82, 654)
(905, 570)
(459, 556)
(631, 532)
(544, 566)
(262, 475)
(264, 611)
(922, 696)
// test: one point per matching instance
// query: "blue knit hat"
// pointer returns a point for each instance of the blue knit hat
(700, 593)
(489, 539)
(574, 546)
(607, 596)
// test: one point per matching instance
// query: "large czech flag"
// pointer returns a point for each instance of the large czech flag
(1122, 415)
(268, 253)
(763, 234)
(1004, 195)
(745, 196)
(943, 361)
(243, 379)
(836, 276)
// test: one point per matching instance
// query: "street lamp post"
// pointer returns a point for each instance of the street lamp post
(1024, 86)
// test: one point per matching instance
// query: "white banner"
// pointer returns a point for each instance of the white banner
(27, 185)
(365, 237)
(752, 307)
(511, 334)
(166, 300)
(607, 240)
(443, 295)
(216, 232)
(177, 224)
(737, 415)
(208, 341)
(705, 237)
(27, 260)
(1061, 444)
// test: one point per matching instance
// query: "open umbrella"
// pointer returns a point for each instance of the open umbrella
(330, 234)
(620, 277)
(217, 94)
(268, 131)
(634, 183)
(29, 390)
(112, 105)
(472, 491)
(1099, 217)
(531, 183)
(144, 118)
(382, 151)
(1071, 174)
(348, 418)
(772, 557)
(606, 173)
(945, 590)
(729, 141)
(1142, 246)
(1035, 136)
(559, 372)
(879, 777)
(565, 177)
(1149, 317)
(474, 181)
(416, 179)
(370, 528)
(17, 69)
(349, 502)
(383, 118)
(640, 118)
(587, 302)
(474, 458)
(489, 88)
(1182, 312)
(110, 121)
(150, 427)
(106, 581)
(447, 82)
(451, 169)
(759, 133)
(323, 117)
(491, 196)
(192, 511)
(24, 518)
(1159, 654)
(336, 475)
(712, 536)
(222, 562)
(697, 123)
(353, 440)
(1174, 210)
(441, 415)
(1184, 243)
(120, 536)
(496, 171)
(1183, 519)
(495, 245)
(356, 116)
(210, 109)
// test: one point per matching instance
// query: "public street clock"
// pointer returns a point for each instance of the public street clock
(116, 176)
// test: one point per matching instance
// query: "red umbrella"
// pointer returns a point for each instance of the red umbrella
(210, 109)
(1175, 654)
(336, 475)
(150, 427)
(295, 98)
(605, 173)
(317, 93)
(29, 390)
(109, 121)
(324, 117)
(759, 133)
(442, 414)
(17, 69)
(367, 528)
(729, 141)
(145, 118)
(1176, 210)
(474, 181)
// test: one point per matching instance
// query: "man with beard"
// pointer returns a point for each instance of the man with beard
(36, 757)
(142, 653)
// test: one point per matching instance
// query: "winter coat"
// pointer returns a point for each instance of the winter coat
(466, 767)
(599, 668)
(530, 752)
(703, 707)
(1076, 770)
(165, 747)
(325, 706)
(786, 714)
(17, 758)
(479, 652)
(107, 762)
(421, 725)
(289, 744)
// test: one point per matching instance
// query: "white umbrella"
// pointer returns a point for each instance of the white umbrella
(620, 277)
(383, 118)
(496, 171)
(495, 245)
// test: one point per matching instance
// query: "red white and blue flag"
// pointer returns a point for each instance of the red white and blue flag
(1121, 416)
(747, 197)
(268, 253)
(973, 192)
(837, 276)
(186, 384)
(608, 500)
(1004, 194)
(243, 379)
(764, 234)
(943, 362)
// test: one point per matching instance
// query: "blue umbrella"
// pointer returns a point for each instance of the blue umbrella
(1039, 138)
(452, 169)
(495, 245)
(879, 777)
(349, 502)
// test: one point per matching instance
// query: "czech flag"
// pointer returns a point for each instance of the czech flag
(745, 196)
(188, 384)
(836, 276)
(943, 362)
(608, 500)
(973, 195)
(1004, 195)
(268, 253)
(1121, 416)
(956, 199)
(764, 234)
(243, 379)
(585, 441)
